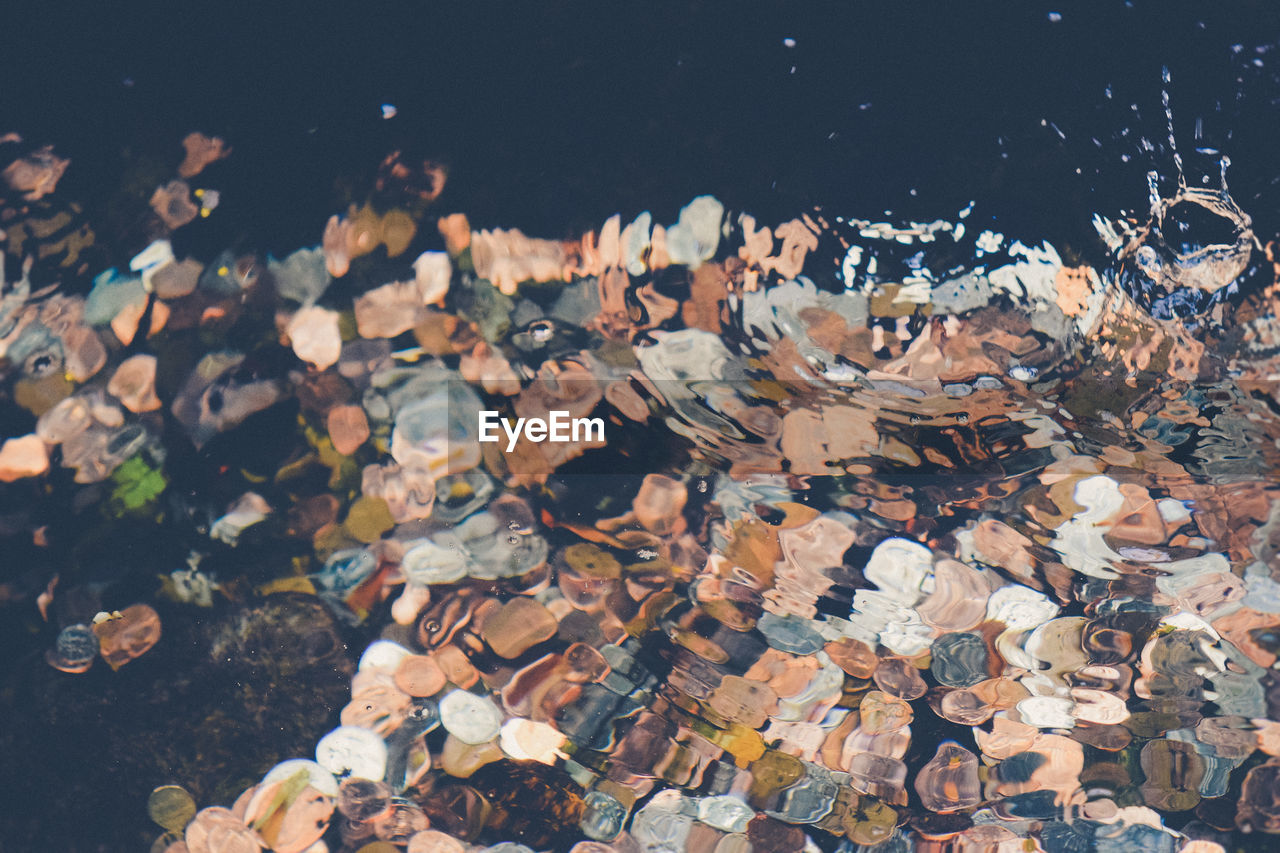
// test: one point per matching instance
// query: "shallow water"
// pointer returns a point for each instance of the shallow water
(898, 533)
(957, 533)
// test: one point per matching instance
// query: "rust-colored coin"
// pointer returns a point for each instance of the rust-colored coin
(128, 636)
(420, 675)
(379, 707)
(854, 657)
(297, 823)
(217, 830)
(742, 700)
(521, 624)
(456, 666)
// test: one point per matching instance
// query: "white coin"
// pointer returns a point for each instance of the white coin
(383, 655)
(470, 718)
(429, 563)
(351, 750)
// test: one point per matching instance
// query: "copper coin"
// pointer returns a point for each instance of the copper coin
(420, 675)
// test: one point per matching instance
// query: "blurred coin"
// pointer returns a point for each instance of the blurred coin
(129, 636)
(383, 655)
(360, 799)
(75, 649)
(470, 718)
(217, 830)
(353, 751)
(420, 675)
(171, 807)
(318, 776)
(433, 841)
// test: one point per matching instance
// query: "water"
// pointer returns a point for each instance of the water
(923, 515)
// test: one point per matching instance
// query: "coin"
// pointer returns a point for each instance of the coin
(171, 807)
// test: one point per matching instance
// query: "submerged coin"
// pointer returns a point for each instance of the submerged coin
(361, 799)
(217, 830)
(75, 649)
(171, 807)
(470, 718)
(318, 777)
(352, 751)
(434, 841)
(128, 636)
(419, 675)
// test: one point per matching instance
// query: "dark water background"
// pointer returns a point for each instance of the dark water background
(554, 115)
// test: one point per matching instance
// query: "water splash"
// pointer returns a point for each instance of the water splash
(1195, 244)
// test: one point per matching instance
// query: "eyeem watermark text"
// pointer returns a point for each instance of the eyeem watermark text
(558, 428)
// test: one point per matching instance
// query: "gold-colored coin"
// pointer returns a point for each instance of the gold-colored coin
(171, 807)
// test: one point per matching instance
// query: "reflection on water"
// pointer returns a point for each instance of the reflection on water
(902, 535)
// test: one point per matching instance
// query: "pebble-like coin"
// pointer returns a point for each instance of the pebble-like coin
(353, 751)
(470, 718)
(171, 807)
